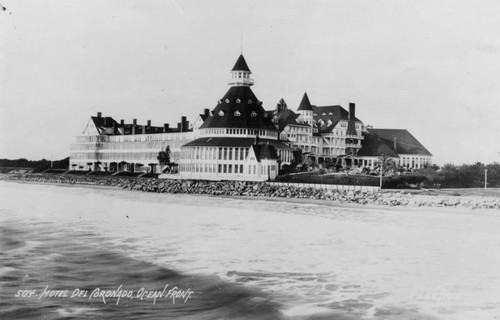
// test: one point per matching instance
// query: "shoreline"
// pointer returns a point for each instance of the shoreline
(261, 191)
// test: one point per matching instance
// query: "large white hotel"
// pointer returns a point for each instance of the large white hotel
(239, 140)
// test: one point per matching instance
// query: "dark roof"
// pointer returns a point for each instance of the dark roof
(240, 109)
(241, 64)
(333, 113)
(108, 126)
(378, 141)
(103, 121)
(234, 142)
(286, 117)
(264, 151)
(305, 104)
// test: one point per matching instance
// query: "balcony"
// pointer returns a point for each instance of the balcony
(354, 136)
(240, 82)
(353, 145)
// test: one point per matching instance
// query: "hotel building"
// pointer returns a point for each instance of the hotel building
(239, 140)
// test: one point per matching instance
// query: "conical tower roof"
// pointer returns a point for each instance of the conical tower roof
(239, 108)
(305, 104)
(241, 64)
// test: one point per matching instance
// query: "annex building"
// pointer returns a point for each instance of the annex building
(239, 140)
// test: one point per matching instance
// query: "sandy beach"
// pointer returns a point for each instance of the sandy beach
(305, 258)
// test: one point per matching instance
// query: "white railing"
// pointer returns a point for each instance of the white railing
(326, 186)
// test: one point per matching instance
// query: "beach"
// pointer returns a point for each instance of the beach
(244, 259)
(464, 199)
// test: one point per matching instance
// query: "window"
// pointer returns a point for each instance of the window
(241, 168)
(237, 113)
(225, 168)
(220, 154)
(220, 168)
(230, 154)
(230, 167)
(238, 100)
(221, 113)
(253, 114)
(236, 167)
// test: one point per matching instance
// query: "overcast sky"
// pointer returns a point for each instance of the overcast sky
(432, 67)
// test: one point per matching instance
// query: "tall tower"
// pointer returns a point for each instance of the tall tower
(240, 74)
(305, 109)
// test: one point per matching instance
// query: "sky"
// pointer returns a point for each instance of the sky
(431, 67)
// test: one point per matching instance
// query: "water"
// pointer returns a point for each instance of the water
(240, 258)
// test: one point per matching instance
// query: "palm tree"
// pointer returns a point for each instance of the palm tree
(385, 163)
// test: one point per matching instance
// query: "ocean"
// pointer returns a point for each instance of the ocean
(75, 252)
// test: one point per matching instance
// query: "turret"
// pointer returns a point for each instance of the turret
(305, 109)
(240, 74)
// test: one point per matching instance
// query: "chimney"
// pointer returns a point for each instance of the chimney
(149, 123)
(206, 112)
(179, 126)
(143, 129)
(184, 124)
(165, 127)
(134, 123)
(352, 110)
(122, 126)
(114, 127)
(99, 115)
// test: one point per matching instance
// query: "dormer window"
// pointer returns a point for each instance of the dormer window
(221, 113)
(249, 101)
(237, 113)
(238, 100)
(253, 114)
(330, 114)
(323, 114)
(227, 100)
(220, 101)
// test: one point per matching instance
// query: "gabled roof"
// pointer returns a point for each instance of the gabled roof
(305, 104)
(103, 121)
(334, 113)
(391, 141)
(264, 151)
(286, 117)
(241, 64)
(239, 108)
(204, 116)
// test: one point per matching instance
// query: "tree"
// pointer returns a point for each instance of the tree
(386, 163)
(164, 156)
(297, 156)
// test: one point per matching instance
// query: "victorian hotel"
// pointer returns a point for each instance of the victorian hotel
(239, 140)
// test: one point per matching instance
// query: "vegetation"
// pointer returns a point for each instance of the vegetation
(36, 165)
(164, 156)
(449, 176)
